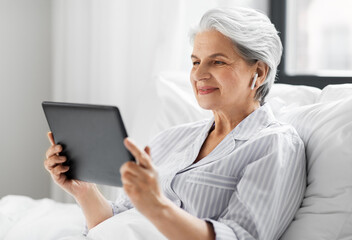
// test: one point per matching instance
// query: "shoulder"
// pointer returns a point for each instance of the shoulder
(262, 125)
(281, 142)
(267, 135)
(280, 131)
(278, 146)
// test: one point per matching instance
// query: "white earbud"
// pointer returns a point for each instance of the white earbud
(254, 80)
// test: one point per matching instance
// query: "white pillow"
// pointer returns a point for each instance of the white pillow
(326, 211)
(294, 94)
(336, 92)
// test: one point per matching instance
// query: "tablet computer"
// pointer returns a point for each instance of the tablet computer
(92, 140)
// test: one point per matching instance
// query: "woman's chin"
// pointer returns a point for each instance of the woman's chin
(206, 106)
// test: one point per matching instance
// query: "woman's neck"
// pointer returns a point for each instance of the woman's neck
(226, 121)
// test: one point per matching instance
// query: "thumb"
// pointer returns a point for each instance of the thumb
(147, 150)
(51, 138)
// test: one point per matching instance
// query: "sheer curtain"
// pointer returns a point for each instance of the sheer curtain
(108, 51)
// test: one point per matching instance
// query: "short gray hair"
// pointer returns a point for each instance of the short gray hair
(252, 33)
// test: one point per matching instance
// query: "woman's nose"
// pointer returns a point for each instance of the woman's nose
(201, 73)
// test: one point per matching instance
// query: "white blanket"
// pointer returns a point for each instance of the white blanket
(127, 225)
(24, 218)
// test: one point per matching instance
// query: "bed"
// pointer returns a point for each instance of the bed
(323, 118)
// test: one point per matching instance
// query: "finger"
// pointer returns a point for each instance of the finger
(53, 150)
(128, 179)
(60, 169)
(147, 150)
(142, 180)
(132, 147)
(59, 178)
(51, 138)
(130, 168)
(140, 155)
(139, 174)
(51, 162)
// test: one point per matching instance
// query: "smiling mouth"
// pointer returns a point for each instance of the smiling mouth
(204, 91)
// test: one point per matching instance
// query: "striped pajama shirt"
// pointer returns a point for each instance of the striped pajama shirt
(248, 187)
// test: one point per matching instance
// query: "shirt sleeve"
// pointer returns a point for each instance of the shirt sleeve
(268, 195)
(121, 204)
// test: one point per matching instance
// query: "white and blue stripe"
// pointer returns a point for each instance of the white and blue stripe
(248, 187)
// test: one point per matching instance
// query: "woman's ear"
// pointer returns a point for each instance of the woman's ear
(262, 71)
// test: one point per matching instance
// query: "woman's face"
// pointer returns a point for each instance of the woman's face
(221, 79)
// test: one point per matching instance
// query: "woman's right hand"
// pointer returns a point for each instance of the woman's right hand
(54, 165)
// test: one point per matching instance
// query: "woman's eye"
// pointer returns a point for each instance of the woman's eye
(195, 63)
(219, 63)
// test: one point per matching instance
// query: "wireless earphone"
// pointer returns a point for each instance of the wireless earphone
(254, 80)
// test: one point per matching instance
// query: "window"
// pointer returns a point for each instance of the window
(317, 39)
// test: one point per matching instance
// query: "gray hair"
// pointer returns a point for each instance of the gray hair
(252, 33)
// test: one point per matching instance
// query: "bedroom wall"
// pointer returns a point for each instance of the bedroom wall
(25, 64)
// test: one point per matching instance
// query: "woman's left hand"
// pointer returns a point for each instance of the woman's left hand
(140, 181)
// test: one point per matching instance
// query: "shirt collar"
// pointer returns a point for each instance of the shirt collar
(253, 123)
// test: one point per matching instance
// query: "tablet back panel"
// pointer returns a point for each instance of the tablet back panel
(92, 139)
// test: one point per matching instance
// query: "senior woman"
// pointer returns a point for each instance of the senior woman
(239, 175)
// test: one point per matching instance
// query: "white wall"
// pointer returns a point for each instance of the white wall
(25, 64)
